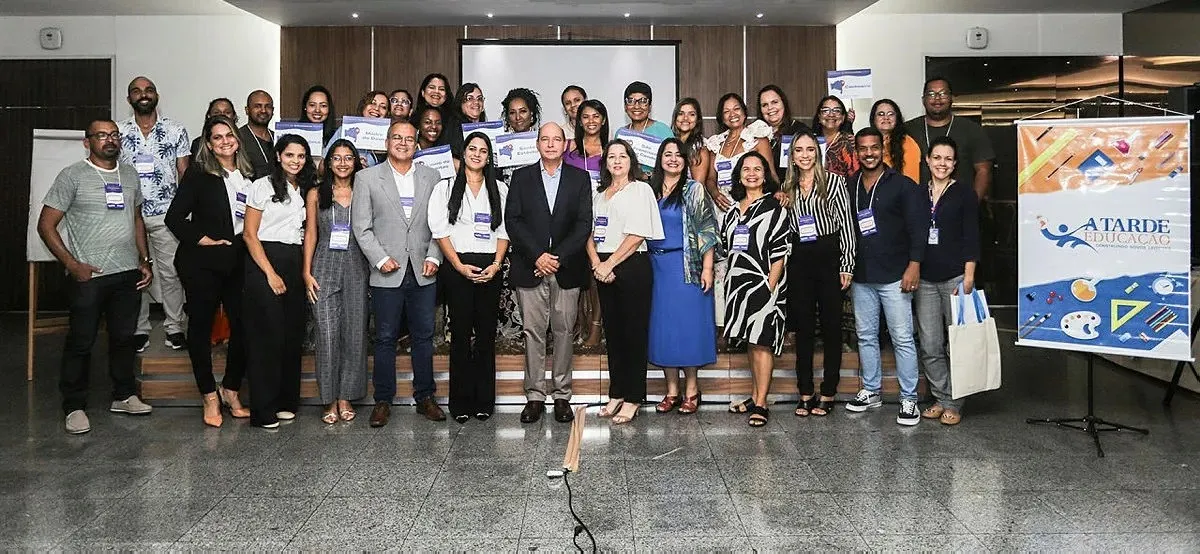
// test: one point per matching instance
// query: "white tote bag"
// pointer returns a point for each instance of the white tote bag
(974, 345)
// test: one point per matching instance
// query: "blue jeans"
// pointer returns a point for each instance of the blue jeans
(418, 303)
(897, 309)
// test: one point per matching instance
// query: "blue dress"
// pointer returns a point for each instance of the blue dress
(682, 321)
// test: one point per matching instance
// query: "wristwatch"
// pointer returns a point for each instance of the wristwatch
(147, 261)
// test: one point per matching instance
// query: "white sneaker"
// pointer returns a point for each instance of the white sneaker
(77, 423)
(132, 405)
(863, 400)
(909, 414)
(285, 416)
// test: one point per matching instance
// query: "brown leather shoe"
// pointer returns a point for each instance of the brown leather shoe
(431, 410)
(562, 411)
(380, 414)
(533, 411)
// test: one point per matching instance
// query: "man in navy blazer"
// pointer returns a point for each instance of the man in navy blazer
(549, 217)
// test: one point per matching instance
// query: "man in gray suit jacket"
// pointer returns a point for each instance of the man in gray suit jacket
(390, 220)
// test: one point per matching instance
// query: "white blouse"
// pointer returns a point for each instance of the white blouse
(472, 230)
(281, 221)
(236, 184)
(750, 135)
(633, 210)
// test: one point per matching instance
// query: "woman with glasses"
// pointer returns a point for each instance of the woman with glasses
(688, 125)
(468, 109)
(335, 278)
(571, 97)
(900, 151)
(831, 122)
(400, 105)
(373, 104)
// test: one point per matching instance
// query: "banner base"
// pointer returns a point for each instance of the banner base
(1091, 424)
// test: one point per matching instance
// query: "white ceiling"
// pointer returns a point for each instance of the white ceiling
(116, 7)
(1007, 6)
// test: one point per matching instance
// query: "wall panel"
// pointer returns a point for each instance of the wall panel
(710, 62)
(549, 32)
(337, 57)
(795, 59)
(405, 55)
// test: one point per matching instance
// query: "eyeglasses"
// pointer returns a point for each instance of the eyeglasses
(473, 98)
(885, 114)
(937, 94)
(831, 111)
(403, 139)
(338, 159)
(643, 101)
(103, 136)
(401, 101)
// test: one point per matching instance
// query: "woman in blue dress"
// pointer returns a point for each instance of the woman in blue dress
(682, 320)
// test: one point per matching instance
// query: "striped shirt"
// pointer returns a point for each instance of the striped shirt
(97, 234)
(832, 216)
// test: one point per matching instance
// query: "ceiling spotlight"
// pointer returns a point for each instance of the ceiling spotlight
(626, 14)
(354, 15)
(491, 15)
(758, 15)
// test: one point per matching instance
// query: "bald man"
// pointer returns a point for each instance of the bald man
(548, 215)
(159, 149)
(256, 136)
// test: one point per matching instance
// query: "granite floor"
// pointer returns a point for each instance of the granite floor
(662, 483)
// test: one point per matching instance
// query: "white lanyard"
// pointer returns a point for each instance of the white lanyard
(948, 129)
(116, 170)
(875, 187)
(258, 143)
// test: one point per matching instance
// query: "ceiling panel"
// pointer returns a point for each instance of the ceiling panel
(116, 7)
(1007, 6)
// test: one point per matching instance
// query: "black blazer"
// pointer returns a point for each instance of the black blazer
(531, 225)
(202, 196)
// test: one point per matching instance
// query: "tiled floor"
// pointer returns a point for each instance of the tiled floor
(662, 483)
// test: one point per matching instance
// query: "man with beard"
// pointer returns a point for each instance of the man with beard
(102, 205)
(158, 149)
(975, 152)
(257, 139)
(893, 227)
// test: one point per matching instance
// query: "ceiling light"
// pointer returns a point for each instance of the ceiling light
(758, 15)
(626, 14)
(354, 15)
(491, 15)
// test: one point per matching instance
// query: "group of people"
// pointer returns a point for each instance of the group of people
(743, 235)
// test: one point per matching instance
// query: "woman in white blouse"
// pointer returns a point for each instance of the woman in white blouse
(466, 219)
(624, 215)
(274, 288)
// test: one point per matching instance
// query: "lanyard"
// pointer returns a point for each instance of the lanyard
(949, 128)
(467, 197)
(103, 180)
(258, 143)
(333, 215)
(858, 193)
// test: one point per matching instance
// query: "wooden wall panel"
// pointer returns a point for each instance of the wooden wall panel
(548, 32)
(337, 57)
(606, 32)
(405, 55)
(710, 62)
(795, 59)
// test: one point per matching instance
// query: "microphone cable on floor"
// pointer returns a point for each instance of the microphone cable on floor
(580, 526)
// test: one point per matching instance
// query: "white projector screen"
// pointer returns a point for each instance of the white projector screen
(603, 69)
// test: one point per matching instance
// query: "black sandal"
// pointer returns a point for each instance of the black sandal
(742, 407)
(824, 405)
(807, 406)
(758, 416)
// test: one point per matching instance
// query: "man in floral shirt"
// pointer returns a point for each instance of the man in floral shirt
(158, 148)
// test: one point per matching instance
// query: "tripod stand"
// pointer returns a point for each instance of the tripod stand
(1092, 425)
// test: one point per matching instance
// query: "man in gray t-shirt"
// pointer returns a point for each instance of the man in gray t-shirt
(100, 201)
(975, 152)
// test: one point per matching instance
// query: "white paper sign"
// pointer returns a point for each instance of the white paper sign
(366, 133)
(850, 84)
(311, 132)
(645, 146)
(492, 129)
(517, 149)
(438, 158)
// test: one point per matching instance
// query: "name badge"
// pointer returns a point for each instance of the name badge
(483, 226)
(724, 173)
(807, 228)
(595, 175)
(113, 197)
(741, 238)
(600, 229)
(866, 222)
(339, 237)
(239, 205)
(144, 164)
(406, 202)
(933, 235)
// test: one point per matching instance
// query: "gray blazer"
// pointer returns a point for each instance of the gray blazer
(381, 229)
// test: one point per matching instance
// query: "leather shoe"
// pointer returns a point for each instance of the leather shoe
(380, 414)
(533, 411)
(431, 410)
(562, 411)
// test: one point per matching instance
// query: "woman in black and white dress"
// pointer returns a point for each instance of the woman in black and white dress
(755, 234)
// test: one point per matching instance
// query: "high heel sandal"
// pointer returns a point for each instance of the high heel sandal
(690, 405)
(225, 394)
(758, 416)
(605, 412)
(668, 403)
(826, 407)
(805, 407)
(618, 419)
(212, 410)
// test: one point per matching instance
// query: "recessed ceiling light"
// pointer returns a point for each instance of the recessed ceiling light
(354, 15)
(491, 15)
(758, 15)
(626, 14)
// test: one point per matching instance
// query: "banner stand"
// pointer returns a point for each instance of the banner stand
(1174, 385)
(1092, 425)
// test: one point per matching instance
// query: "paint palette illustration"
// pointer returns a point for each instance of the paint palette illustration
(1080, 325)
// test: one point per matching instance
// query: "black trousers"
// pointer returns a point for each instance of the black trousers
(114, 298)
(277, 321)
(815, 282)
(625, 310)
(473, 311)
(205, 289)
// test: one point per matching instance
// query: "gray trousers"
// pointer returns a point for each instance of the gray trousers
(932, 306)
(165, 287)
(548, 306)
